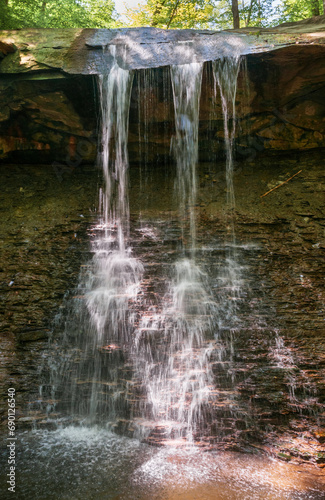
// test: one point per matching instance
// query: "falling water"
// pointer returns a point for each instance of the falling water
(154, 363)
(116, 275)
(116, 272)
(152, 96)
(225, 72)
(107, 293)
(135, 359)
(177, 376)
(186, 83)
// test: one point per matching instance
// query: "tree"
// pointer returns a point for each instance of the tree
(3, 12)
(56, 14)
(295, 10)
(257, 13)
(315, 7)
(173, 14)
(213, 14)
(235, 13)
(100, 13)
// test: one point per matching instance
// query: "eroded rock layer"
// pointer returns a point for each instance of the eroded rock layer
(48, 91)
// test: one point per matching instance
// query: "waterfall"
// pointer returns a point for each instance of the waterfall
(116, 275)
(225, 73)
(147, 363)
(180, 332)
(186, 83)
(104, 315)
(176, 372)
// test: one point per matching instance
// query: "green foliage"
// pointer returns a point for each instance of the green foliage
(213, 14)
(257, 13)
(295, 10)
(100, 13)
(56, 14)
(173, 14)
(251, 13)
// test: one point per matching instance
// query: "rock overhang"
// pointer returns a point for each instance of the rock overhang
(49, 96)
(92, 51)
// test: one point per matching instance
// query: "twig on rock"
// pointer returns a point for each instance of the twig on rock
(276, 187)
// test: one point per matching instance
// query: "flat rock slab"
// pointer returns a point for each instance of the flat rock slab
(92, 51)
(152, 48)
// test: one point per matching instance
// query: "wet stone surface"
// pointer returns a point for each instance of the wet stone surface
(44, 219)
(270, 383)
(283, 358)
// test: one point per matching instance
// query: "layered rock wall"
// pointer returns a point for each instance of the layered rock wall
(49, 109)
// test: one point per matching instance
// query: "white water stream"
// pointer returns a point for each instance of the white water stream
(176, 375)
(136, 359)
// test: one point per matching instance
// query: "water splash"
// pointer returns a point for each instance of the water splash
(116, 275)
(173, 356)
(132, 357)
(176, 369)
(302, 393)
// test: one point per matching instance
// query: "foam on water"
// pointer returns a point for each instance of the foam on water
(83, 462)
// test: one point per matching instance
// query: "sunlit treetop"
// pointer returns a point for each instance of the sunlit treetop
(57, 14)
(218, 14)
(168, 14)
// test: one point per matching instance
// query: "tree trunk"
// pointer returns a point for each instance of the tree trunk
(43, 14)
(315, 7)
(250, 13)
(259, 13)
(235, 13)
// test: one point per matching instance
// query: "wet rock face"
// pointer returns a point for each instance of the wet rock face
(6, 48)
(276, 381)
(280, 105)
(92, 51)
(45, 214)
(44, 217)
(286, 377)
(48, 119)
(285, 99)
